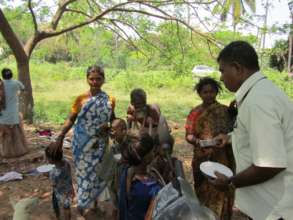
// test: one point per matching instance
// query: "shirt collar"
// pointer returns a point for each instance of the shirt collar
(247, 85)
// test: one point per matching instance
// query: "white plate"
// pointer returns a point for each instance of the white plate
(45, 168)
(117, 157)
(210, 167)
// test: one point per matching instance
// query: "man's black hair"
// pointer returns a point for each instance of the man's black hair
(240, 52)
(6, 73)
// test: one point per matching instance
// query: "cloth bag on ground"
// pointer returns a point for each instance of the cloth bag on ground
(177, 201)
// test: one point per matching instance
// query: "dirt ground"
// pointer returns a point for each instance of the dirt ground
(40, 187)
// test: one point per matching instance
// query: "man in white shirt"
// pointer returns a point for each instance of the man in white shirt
(12, 138)
(262, 138)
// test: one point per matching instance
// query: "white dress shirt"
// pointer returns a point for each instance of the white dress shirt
(263, 136)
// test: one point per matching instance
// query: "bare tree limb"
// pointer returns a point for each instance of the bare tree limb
(171, 18)
(33, 15)
(128, 40)
(78, 12)
(179, 39)
(97, 5)
(136, 32)
(52, 33)
(92, 9)
(60, 10)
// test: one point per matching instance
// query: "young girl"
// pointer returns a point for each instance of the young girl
(61, 179)
(138, 188)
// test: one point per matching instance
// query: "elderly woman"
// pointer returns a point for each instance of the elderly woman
(91, 113)
(205, 121)
(12, 139)
(143, 115)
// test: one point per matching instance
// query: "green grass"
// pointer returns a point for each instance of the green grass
(56, 86)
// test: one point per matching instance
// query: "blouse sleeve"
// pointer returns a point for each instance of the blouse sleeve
(76, 106)
(113, 102)
(191, 122)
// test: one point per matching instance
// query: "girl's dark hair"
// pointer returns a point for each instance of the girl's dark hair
(97, 69)
(138, 94)
(207, 81)
(54, 156)
(138, 149)
(6, 73)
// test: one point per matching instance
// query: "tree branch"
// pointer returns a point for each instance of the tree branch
(136, 32)
(52, 33)
(33, 15)
(78, 12)
(92, 8)
(170, 18)
(60, 10)
(180, 41)
(127, 39)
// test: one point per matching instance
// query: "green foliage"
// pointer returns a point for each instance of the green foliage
(282, 80)
(223, 7)
(227, 36)
(21, 21)
(174, 93)
(165, 46)
(56, 85)
(279, 55)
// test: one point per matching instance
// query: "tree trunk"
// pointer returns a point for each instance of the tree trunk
(26, 103)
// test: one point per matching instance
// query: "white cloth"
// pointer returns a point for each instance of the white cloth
(263, 136)
(10, 115)
(11, 176)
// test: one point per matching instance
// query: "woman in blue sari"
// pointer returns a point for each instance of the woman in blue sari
(90, 115)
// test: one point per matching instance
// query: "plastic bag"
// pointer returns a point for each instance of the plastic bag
(177, 201)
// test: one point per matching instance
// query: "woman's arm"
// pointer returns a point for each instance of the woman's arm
(191, 120)
(65, 128)
(69, 122)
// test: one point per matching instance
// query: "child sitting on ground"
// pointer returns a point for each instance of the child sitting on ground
(61, 179)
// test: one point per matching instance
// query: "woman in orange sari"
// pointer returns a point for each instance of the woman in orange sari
(205, 121)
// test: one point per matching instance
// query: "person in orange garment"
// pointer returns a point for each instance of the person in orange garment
(91, 115)
(205, 121)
